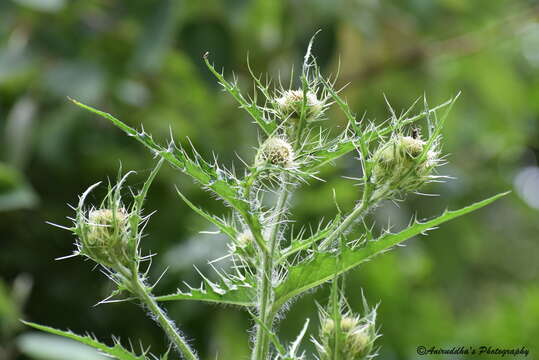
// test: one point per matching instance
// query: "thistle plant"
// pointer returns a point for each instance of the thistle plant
(272, 263)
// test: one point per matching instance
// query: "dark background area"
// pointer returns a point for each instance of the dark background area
(472, 282)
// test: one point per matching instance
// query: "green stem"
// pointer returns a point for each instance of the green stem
(254, 226)
(336, 314)
(145, 296)
(266, 314)
(262, 336)
(358, 212)
(369, 200)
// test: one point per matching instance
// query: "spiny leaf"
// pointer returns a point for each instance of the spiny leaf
(307, 243)
(239, 297)
(351, 119)
(221, 224)
(230, 292)
(117, 351)
(251, 107)
(330, 153)
(322, 267)
(210, 176)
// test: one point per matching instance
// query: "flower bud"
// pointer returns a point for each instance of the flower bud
(396, 163)
(105, 237)
(289, 105)
(244, 244)
(275, 151)
(355, 338)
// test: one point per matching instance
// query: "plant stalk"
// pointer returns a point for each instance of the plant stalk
(369, 200)
(358, 213)
(266, 314)
(144, 295)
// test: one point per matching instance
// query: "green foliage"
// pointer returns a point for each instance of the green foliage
(117, 351)
(238, 295)
(323, 266)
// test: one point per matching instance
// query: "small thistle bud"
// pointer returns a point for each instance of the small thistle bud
(289, 105)
(275, 151)
(328, 327)
(104, 223)
(348, 323)
(355, 337)
(104, 237)
(397, 163)
(412, 146)
(244, 245)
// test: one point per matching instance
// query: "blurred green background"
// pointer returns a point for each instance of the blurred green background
(472, 282)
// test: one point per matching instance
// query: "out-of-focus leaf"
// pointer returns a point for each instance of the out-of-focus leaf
(9, 312)
(42, 5)
(53, 349)
(12, 301)
(14, 64)
(133, 92)
(15, 193)
(19, 128)
(79, 79)
(157, 36)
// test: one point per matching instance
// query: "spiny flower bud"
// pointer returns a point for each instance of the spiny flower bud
(355, 338)
(103, 223)
(411, 146)
(347, 324)
(396, 163)
(105, 236)
(289, 105)
(275, 151)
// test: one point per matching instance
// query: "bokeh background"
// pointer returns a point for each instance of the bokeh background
(473, 282)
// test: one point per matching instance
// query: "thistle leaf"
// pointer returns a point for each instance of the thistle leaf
(210, 176)
(239, 297)
(220, 223)
(229, 291)
(117, 351)
(250, 106)
(323, 266)
(309, 242)
(330, 153)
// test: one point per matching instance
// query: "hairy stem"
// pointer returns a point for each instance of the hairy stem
(266, 299)
(336, 314)
(358, 213)
(369, 200)
(144, 295)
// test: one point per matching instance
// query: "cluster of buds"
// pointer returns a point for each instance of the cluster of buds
(403, 163)
(292, 102)
(355, 337)
(104, 236)
(275, 151)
